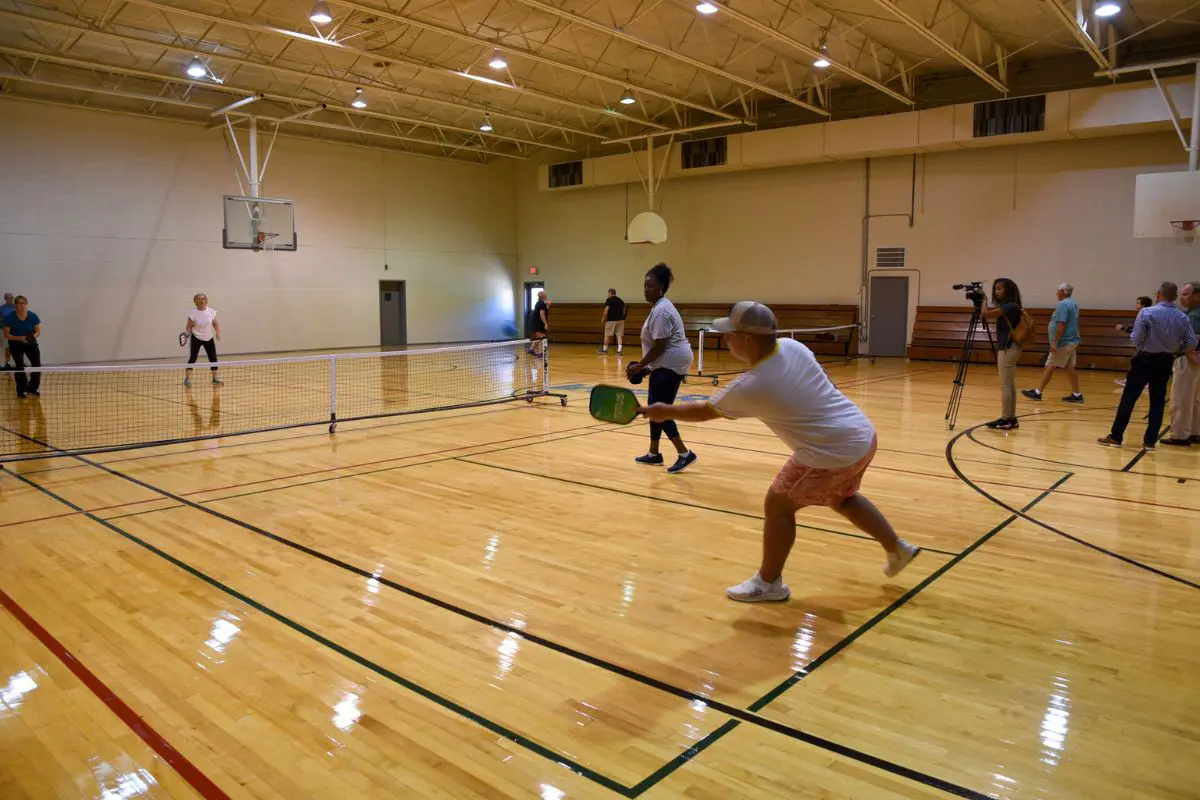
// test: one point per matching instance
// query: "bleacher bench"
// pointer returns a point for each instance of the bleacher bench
(579, 323)
(940, 331)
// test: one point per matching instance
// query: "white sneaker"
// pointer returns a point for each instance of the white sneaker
(900, 559)
(756, 590)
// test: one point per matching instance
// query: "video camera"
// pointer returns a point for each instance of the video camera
(974, 291)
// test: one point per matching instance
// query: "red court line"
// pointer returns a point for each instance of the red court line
(186, 769)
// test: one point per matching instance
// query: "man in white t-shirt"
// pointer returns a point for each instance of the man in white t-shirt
(203, 326)
(832, 441)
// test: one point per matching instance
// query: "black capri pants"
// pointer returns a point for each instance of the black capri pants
(210, 349)
(664, 385)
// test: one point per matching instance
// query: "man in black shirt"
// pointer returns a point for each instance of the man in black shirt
(614, 321)
(539, 321)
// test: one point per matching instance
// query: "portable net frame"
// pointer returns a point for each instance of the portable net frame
(836, 334)
(97, 409)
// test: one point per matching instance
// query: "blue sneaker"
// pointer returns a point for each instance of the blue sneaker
(683, 462)
(650, 458)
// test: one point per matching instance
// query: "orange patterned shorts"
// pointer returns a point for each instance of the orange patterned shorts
(809, 486)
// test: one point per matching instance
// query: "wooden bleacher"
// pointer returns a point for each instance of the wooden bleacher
(579, 323)
(940, 330)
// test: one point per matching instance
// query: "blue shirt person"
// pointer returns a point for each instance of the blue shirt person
(21, 330)
(1063, 334)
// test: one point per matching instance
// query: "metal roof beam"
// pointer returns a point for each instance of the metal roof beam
(527, 54)
(295, 73)
(1075, 24)
(273, 96)
(412, 63)
(600, 27)
(811, 52)
(917, 27)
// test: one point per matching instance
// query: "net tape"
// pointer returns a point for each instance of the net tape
(93, 409)
(835, 332)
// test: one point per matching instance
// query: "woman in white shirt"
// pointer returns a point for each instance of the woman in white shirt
(667, 357)
(203, 326)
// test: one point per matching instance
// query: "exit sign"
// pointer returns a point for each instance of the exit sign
(533, 270)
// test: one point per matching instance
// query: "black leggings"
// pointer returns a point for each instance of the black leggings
(210, 349)
(21, 351)
(664, 385)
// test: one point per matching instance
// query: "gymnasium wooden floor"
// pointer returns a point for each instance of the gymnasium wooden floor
(499, 603)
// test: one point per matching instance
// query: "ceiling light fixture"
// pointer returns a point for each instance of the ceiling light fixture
(486, 126)
(498, 60)
(320, 13)
(627, 98)
(823, 60)
(706, 8)
(359, 101)
(196, 68)
(1107, 10)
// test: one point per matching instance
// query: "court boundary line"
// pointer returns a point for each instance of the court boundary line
(495, 727)
(744, 514)
(799, 675)
(158, 744)
(232, 445)
(739, 714)
(427, 694)
(1098, 548)
(957, 480)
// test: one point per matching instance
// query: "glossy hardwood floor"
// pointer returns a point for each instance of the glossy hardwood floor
(498, 602)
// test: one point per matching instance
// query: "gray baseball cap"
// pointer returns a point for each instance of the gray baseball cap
(747, 317)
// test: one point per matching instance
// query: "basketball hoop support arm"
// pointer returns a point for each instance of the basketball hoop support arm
(1192, 146)
(254, 174)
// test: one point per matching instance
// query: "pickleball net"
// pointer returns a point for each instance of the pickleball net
(713, 359)
(94, 409)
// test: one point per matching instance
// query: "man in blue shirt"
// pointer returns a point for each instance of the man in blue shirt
(1064, 342)
(6, 309)
(1160, 333)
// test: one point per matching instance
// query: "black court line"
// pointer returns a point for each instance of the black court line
(1126, 559)
(361, 660)
(589, 430)
(609, 783)
(833, 651)
(231, 445)
(467, 459)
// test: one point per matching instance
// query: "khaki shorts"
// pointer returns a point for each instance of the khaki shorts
(616, 329)
(809, 486)
(1063, 357)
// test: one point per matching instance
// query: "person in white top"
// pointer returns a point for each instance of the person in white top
(203, 326)
(666, 358)
(832, 441)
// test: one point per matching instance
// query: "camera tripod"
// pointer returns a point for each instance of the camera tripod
(964, 360)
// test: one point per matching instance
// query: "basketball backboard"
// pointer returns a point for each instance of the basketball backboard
(647, 228)
(1163, 198)
(258, 223)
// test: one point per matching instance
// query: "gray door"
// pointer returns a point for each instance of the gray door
(393, 320)
(889, 316)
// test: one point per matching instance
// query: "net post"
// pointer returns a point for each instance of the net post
(700, 358)
(332, 392)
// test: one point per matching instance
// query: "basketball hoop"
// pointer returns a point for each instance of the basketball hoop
(263, 241)
(1185, 229)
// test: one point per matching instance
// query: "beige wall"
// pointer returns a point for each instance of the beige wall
(109, 224)
(1040, 214)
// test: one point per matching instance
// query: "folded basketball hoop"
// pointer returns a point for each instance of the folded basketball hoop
(647, 228)
(1185, 229)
